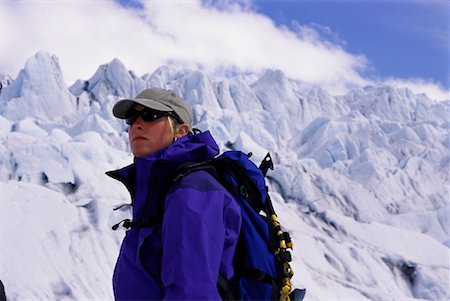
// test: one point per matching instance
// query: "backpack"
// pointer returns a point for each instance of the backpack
(262, 269)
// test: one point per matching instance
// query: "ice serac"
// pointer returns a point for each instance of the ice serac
(318, 102)
(280, 101)
(392, 103)
(236, 95)
(276, 93)
(197, 89)
(163, 77)
(112, 79)
(38, 91)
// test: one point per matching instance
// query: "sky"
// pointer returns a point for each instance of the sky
(400, 38)
(337, 44)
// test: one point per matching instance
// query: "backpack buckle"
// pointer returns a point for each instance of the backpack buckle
(243, 191)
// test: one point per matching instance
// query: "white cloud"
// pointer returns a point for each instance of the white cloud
(418, 85)
(86, 34)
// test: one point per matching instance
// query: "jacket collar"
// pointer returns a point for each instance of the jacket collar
(190, 148)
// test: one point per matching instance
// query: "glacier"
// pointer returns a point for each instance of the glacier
(361, 180)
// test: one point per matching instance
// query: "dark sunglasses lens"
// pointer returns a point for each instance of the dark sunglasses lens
(132, 116)
(146, 115)
(151, 115)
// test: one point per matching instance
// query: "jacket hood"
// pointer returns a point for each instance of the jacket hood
(189, 148)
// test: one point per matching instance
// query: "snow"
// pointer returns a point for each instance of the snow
(361, 180)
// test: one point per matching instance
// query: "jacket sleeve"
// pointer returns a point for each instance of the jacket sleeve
(199, 223)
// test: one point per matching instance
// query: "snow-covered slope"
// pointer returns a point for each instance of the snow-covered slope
(360, 181)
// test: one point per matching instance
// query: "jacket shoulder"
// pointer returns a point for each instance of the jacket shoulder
(200, 180)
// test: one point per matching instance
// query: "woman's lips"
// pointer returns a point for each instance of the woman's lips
(138, 138)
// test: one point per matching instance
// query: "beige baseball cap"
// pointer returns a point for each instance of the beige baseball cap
(159, 100)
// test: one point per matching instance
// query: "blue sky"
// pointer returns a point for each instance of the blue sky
(408, 39)
(338, 45)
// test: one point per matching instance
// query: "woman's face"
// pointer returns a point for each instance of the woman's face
(147, 137)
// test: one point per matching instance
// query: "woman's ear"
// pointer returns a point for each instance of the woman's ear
(182, 130)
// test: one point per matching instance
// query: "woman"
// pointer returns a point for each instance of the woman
(178, 256)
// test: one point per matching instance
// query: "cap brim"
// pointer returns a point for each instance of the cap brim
(122, 107)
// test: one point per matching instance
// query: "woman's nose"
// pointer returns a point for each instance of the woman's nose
(139, 123)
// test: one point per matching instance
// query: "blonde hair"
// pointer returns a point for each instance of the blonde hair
(174, 125)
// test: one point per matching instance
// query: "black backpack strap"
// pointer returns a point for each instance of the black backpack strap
(229, 289)
(226, 289)
(245, 188)
(187, 168)
(258, 275)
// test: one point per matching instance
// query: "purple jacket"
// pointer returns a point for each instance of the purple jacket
(182, 259)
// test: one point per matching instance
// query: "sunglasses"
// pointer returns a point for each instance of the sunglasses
(149, 115)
